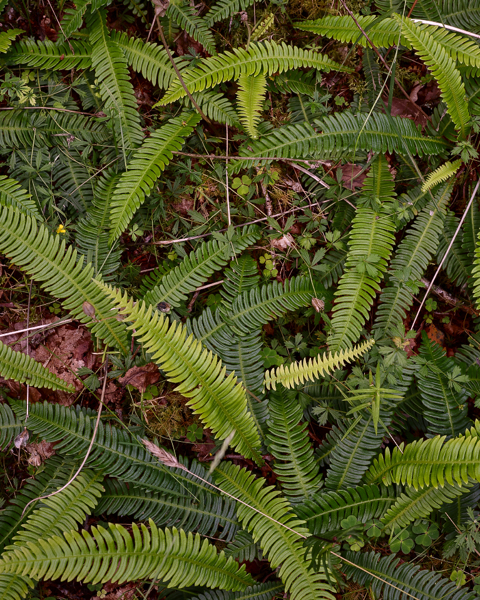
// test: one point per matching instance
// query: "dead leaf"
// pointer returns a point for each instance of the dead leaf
(351, 177)
(22, 438)
(318, 304)
(39, 452)
(186, 203)
(88, 309)
(435, 335)
(141, 377)
(283, 243)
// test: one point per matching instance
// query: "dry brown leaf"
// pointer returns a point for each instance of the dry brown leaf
(141, 377)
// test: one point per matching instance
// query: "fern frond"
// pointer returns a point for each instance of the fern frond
(113, 555)
(420, 583)
(196, 268)
(444, 70)
(250, 97)
(14, 587)
(226, 8)
(289, 443)
(24, 369)
(7, 37)
(114, 451)
(184, 15)
(266, 58)
(445, 408)
(73, 19)
(325, 511)
(262, 591)
(280, 546)
(45, 257)
(145, 168)
(18, 128)
(341, 134)
(218, 400)
(116, 90)
(10, 427)
(409, 264)
(419, 504)
(215, 106)
(476, 272)
(241, 276)
(92, 231)
(205, 515)
(151, 60)
(74, 180)
(12, 194)
(243, 547)
(313, 368)
(441, 174)
(457, 264)
(432, 462)
(51, 56)
(459, 13)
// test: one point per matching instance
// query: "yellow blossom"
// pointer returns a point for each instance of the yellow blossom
(61, 229)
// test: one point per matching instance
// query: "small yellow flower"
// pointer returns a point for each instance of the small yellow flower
(61, 229)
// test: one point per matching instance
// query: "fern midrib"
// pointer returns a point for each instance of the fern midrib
(346, 466)
(351, 506)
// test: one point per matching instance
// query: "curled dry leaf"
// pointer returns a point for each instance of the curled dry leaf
(22, 438)
(286, 241)
(141, 377)
(89, 310)
(318, 304)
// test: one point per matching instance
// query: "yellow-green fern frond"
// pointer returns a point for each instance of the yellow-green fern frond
(441, 174)
(312, 369)
(250, 95)
(262, 27)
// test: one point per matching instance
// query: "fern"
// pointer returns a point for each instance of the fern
(324, 512)
(215, 106)
(289, 443)
(14, 587)
(378, 572)
(218, 400)
(205, 514)
(313, 368)
(12, 194)
(74, 181)
(263, 591)
(24, 369)
(266, 58)
(459, 13)
(48, 55)
(113, 555)
(240, 277)
(476, 272)
(115, 88)
(410, 262)
(444, 70)
(184, 15)
(195, 269)
(281, 546)
(73, 19)
(250, 96)
(441, 174)
(445, 409)
(145, 168)
(243, 547)
(342, 134)
(46, 258)
(224, 9)
(7, 37)
(18, 128)
(457, 264)
(419, 504)
(10, 427)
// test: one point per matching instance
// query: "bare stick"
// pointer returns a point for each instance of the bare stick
(446, 253)
(170, 58)
(447, 27)
(226, 177)
(312, 175)
(223, 157)
(61, 28)
(449, 299)
(47, 326)
(75, 112)
(102, 397)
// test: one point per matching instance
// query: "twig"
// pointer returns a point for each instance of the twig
(447, 27)
(449, 299)
(446, 253)
(61, 28)
(102, 397)
(384, 62)
(170, 58)
(75, 112)
(226, 176)
(47, 326)
(312, 175)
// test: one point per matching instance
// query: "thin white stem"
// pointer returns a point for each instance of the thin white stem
(450, 27)
(226, 177)
(48, 326)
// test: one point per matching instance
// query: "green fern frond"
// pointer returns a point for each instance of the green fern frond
(215, 106)
(51, 56)
(114, 555)
(18, 128)
(45, 257)
(432, 462)
(12, 194)
(280, 546)
(457, 264)
(376, 572)
(263, 26)
(289, 443)
(111, 70)
(7, 37)
(205, 515)
(243, 547)
(340, 135)
(262, 591)
(184, 15)
(250, 97)
(74, 180)
(226, 8)
(266, 58)
(444, 70)
(218, 400)
(419, 504)
(445, 408)
(476, 272)
(145, 168)
(441, 174)
(325, 511)
(73, 19)
(313, 368)
(151, 60)
(410, 262)
(459, 13)
(240, 277)
(24, 369)
(92, 231)
(196, 269)
(10, 427)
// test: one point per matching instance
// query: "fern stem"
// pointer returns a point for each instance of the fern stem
(470, 202)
